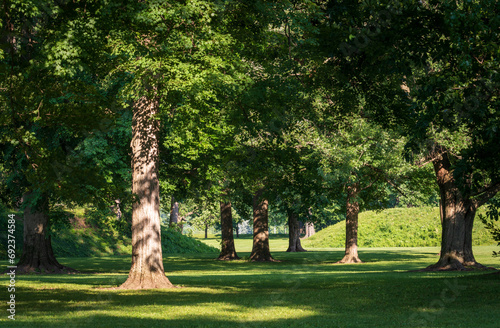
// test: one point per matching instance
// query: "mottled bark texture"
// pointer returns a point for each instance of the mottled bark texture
(37, 255)
(457, 219)
(147, 261)
(294, 244)
(228, 251)
(260, 249)
(351, 226)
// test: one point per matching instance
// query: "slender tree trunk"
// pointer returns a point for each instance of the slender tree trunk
(457, 221)
(228, 251)
(237, 231)
(147, 260)
(37, 255)
(294, 244)
(260, 249)
(174, 213)
(351, 227)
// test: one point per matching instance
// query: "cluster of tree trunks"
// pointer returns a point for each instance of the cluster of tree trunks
(309, 227)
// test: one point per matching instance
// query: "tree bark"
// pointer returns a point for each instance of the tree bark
(294, 244)
(351, 227)
(174, 213)
(457, 220)
(206, 230)
(147, 262)
(228, 251)
(309, 229)
(260, 249)
(37, 255)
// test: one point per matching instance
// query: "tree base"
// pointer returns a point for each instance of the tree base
(262, 258)
(228, 257)
(349, 259)
(147, 281)
(453, 264)
(296, 249)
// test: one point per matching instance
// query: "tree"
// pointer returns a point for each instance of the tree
(147, 261)
(173, 53)
(51, 96)
(294, 233)
(454, 111)
(260, 246)
(228, 251)
(423, 86)
(363, 162)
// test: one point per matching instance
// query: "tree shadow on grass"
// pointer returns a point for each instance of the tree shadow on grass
(379, 302)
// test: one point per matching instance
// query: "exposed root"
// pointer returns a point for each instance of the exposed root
(453, 264)
(262, 258)
(143, 281)
(296, 249)
(228, 257)
(350, 259)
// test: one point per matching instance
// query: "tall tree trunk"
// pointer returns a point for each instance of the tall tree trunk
(260, 249)
(237, 231)
(457, 221)
(174, 213)
(147, 260)
(294, 244)
(37, 254)
(228, 251)
(351, 227)
(206, 230)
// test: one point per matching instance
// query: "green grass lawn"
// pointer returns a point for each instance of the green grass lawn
(244, 242)
(303, 290)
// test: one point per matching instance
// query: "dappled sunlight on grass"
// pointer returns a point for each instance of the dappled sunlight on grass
(304, 290)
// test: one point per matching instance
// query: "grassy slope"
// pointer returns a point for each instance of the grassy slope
(303, 290)
(398, 227)
(80, 239)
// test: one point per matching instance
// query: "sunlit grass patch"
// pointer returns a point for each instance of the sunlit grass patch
(304, 290)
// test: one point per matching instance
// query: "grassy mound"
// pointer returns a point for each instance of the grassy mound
(175, 242)
(81, 237)
(397, 227)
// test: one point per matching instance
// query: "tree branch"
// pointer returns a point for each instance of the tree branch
(389, 181)
(486, 194)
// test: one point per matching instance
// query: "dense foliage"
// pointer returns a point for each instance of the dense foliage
(314, 106)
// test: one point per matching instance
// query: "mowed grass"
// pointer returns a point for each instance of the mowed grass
(243, 243)
(303, 290)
